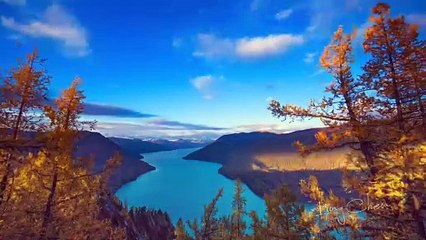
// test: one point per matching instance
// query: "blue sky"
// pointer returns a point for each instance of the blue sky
(186, 68)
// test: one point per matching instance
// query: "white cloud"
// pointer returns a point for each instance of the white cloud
(360, 32)
(152, 130)
(55, 24)
(283, 127)
(316, 73)
(267, 46)
(419, 19)
(310, 57)
(284, 14)
(326, 15)
(15, 2)
(210, 46)
(204, 85)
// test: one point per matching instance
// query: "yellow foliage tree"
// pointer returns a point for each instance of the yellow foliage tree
(22, 93)
(55, 196)
(380, 115)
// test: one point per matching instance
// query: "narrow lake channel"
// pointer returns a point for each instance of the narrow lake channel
(182, 187)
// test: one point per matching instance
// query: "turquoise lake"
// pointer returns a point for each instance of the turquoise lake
(182, 187)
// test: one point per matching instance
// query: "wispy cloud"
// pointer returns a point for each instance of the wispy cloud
(255, 4)
(177, 42)
(360, 32)
(311, 28)
(316, 73)
(211, 46)
(180, 125)
(174, 129)
(284, 14)
(159, 128)
(278, 127)
(419, 19)
(93, 109)
(56, 24)
(310, 57)
(204, 85)
(269, 99)
(14, 2)
(324, 22)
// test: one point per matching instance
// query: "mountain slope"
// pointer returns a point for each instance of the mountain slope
(100, 148)
(238, 150)
(264, 160)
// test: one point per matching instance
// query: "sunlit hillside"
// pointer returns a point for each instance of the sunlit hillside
(324, 160)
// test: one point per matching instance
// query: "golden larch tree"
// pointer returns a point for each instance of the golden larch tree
(23, 92)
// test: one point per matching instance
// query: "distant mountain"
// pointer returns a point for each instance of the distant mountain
(240, 148)
(100, 148)
(266, 160)
(138, 146)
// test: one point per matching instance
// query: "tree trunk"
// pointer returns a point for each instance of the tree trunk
(396, 92)
(49, 205)
(4, 179)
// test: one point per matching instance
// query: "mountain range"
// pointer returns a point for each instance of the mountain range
(100, 148)
(138, 146)
(264, 161)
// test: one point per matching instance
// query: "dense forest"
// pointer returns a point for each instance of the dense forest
(48, 193)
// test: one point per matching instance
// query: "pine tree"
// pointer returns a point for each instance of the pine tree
(282, 219)
(180, 231)
(396, 68)
(225, 228)
(238, 225)
(397, 71)
(210, 224)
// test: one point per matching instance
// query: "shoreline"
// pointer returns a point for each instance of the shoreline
(261, 183)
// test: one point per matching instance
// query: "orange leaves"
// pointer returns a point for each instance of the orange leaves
(312, 189)
(381, 8)
(300, 146)
(322, 138)
(64, 118)
(381, 114)
(338, 54)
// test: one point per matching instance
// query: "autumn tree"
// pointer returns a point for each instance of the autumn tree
(55, 195)
(379, 114)
(180, 231)
(210, 223)
(238, 225)
(396, 69)
(283, 217)
(346, 108)
(22, 94)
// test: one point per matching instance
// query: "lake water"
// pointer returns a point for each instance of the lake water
(182, 187)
